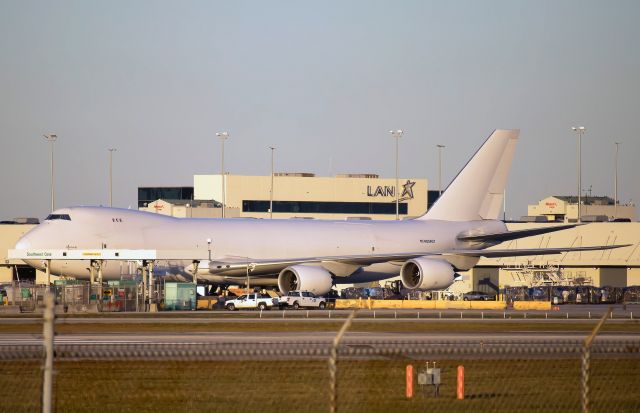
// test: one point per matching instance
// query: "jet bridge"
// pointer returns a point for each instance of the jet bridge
(96, 257)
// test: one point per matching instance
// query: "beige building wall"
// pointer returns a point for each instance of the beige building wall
(633, 276)
(555, 208)
(601, 233)
(182, 211)
(9, 235)
(239, 188)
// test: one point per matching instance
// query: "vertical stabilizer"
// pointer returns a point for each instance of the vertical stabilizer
(477, 191)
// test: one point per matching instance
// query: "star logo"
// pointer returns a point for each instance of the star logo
(407, 190)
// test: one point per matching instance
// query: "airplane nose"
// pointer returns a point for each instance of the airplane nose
(23, 243)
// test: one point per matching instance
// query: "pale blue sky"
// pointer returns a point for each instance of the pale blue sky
(323, 81)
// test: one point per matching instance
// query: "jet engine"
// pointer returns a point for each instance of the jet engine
(305, 277)
(426, 274)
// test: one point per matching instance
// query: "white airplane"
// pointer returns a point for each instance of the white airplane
(308, 254)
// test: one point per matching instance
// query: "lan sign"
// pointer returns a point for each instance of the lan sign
(407, 191)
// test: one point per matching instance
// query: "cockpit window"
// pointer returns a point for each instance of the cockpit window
(52, 217)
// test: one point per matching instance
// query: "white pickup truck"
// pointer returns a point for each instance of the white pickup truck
(297, 299)
(259, 301)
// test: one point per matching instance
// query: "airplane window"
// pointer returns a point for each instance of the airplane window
(52, 217)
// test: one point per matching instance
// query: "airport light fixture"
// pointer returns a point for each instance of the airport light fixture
(111, 151)
(52, 137)
(440, 148)
(223, 137)
(615, 184)
(579, 130)
(271, 189)
(397, 134)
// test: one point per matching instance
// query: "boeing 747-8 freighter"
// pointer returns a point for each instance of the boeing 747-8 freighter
(309, 254)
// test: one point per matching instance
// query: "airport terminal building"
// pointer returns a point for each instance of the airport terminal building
(295, 195)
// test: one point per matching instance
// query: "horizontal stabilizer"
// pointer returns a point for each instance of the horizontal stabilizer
(495, 253)
(511, 235)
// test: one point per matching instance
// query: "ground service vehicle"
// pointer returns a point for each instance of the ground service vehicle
(249, 301)
(297, 299)
(477, 296)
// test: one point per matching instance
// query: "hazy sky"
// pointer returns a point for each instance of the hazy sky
(323, 81)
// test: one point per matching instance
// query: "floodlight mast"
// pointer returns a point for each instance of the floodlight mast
(52, 137)
(271, 189)
(440, 148)
(579, 130)
(615, 184)
(397, 134)
(111, 151)
(223, 137)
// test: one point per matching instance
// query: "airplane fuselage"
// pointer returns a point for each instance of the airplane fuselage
(254, 239)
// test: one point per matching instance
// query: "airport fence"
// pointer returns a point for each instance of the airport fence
(348, 375)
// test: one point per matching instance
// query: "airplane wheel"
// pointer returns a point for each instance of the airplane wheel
(296, 305)
(231, 307)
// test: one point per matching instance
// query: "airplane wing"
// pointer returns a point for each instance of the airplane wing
(344, 265)
(497, 253)
(511, 235)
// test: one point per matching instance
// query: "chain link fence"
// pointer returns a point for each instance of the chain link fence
(345, 376)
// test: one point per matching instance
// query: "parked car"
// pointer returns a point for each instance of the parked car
(297, 299)
(251, 301)
(478, 296)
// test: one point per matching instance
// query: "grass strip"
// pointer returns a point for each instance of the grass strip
(521, 385)
(304, 326)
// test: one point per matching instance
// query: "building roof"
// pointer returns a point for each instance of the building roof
(195, 203)
(586, 200)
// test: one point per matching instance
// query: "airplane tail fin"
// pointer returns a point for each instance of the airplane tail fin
(477, 191)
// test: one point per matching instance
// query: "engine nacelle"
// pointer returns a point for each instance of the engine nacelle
(305, 277)
(426, 274)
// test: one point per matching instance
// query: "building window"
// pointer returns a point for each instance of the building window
(147, 195)
(317, 207)
(53, 217)
(432, 197)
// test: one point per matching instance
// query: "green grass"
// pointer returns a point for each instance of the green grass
(287, 386)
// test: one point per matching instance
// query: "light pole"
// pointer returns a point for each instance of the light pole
(271, 189)
(615, 184)
(223, 137)
(111, 151)
(397, 134)
(440, 148)
(52, 137)
(579, 130)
